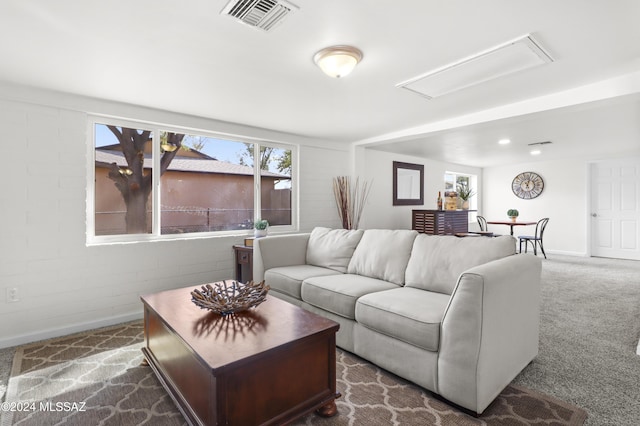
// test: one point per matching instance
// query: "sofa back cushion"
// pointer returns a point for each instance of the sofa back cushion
(332, 248)
(383, 254)
(438, 260)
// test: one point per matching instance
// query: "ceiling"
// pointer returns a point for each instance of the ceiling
(184, 56)
(593, 130)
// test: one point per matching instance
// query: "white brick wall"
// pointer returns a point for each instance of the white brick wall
(64, 285)
(317, 203)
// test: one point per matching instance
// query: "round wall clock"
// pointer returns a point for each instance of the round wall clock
(527, 185)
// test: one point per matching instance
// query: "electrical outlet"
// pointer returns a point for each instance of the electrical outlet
(12, 295)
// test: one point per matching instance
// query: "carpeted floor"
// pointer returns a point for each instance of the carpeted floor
(590, 326)
(98, 376)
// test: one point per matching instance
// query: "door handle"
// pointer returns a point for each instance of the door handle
(594, 215)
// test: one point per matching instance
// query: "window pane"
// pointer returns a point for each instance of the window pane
(449, 182)
(452, 183)
(275, 184)
(464, 180)
(208, 186)
(122, 172)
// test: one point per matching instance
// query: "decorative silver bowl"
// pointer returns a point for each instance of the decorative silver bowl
(227, 298)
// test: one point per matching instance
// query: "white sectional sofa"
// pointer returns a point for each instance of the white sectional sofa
(458, 316)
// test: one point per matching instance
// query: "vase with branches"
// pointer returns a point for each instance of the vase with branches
(351, 196)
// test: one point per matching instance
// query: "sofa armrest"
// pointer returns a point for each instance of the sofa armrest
(278, 250)
(490, 330)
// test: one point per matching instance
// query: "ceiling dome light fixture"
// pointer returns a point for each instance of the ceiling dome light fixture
(338, 61)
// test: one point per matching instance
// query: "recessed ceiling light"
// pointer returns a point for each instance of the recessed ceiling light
(535, 152)
(504, 141)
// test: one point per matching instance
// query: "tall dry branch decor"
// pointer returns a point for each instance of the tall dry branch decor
(351, 197)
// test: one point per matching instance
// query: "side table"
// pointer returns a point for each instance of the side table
(244, 263)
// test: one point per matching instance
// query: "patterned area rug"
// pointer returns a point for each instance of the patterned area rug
(95, 378)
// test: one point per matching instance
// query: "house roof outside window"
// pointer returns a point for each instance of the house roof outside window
(185, 164)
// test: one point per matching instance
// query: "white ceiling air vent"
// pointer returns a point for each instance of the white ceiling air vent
(507, 58)
(263, 14)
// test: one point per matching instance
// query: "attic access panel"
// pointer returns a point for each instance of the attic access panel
(507, 58)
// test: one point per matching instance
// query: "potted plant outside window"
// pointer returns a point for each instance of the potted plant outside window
(513, 214)
(261, 227)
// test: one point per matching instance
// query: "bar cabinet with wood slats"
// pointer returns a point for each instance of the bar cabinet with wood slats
(440, 222)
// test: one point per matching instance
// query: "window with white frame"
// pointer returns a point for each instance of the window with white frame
(463, 183)
(150, 181)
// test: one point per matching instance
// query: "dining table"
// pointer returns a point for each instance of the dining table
(510, 223)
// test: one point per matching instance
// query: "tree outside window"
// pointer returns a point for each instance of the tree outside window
(206, 184)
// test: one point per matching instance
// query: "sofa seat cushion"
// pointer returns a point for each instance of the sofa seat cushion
(288, 279)
(339, 293)
(408, 314)
(383, 254)
(437, 261)
(332, 248)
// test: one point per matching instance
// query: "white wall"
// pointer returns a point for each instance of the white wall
(318, 168)
(378, 169)
(563, 200)
(64, 285)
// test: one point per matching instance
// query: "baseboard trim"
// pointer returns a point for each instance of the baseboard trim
(565, 253)
(63, 331)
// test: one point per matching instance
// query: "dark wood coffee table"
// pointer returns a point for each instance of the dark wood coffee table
(269, 365)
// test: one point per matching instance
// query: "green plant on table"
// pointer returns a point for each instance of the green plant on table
(513, 213)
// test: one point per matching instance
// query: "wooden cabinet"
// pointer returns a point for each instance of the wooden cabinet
(244, 263)
(440, 222)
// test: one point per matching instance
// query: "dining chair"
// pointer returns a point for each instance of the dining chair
(535, 240)
(482, 222)
(484, 229)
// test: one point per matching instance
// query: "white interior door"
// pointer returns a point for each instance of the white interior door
(615, 209)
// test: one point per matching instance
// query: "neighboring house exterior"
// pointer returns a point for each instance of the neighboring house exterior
(199, 194)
